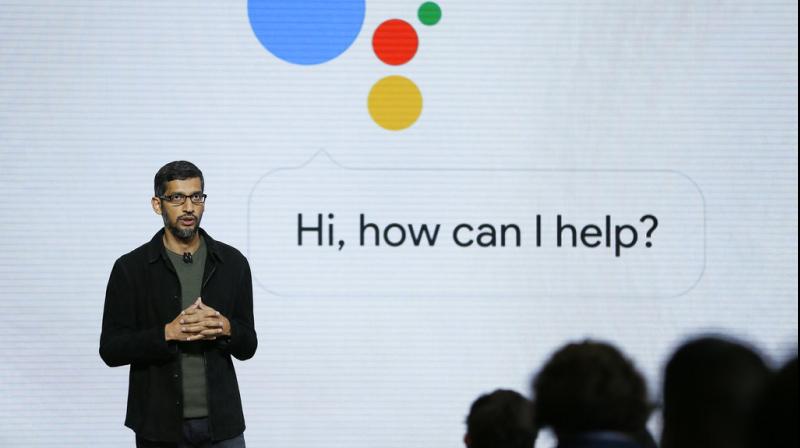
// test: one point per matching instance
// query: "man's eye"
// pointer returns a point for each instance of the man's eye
(197, 197)
(176, 197)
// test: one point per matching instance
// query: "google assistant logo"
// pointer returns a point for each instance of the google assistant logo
(312, 32)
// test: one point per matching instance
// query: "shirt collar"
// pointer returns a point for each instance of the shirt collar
(156, 249)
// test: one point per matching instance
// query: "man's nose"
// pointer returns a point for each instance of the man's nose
(188, 206)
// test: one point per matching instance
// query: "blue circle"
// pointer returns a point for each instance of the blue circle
(306, 32)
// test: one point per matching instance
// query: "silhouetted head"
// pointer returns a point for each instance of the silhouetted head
(778, 411)
(711, 387)
(591, 387)
(502, 419)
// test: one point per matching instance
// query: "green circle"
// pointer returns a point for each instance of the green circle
(430, 13)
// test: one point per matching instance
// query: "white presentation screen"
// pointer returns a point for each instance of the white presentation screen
(433, 196)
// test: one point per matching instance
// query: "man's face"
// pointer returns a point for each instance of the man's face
(182, 220)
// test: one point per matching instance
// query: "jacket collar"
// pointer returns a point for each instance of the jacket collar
(156, 249)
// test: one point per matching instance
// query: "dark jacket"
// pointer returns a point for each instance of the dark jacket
(598, 440)
(144, 295)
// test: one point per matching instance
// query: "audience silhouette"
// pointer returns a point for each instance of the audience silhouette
(717, 393)
(711, 388)
(777, 415)
(502, 419)
(592, 396)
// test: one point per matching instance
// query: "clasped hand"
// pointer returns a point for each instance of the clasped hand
(197, 322)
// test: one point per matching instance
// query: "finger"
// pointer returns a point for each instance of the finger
(200, 317)
(191, 309)
(206, 310)
(192, 319)
(211, 332)
(194, 337)
(202, 325)
(211, 323)
(203, 306)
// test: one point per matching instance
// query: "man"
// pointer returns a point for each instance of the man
(502, 419)
(176, 310)
(591, 396)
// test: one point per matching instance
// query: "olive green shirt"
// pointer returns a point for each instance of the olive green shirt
(193, 366)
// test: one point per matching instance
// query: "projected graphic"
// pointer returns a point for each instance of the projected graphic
(395, 42)
(601, 233)
(430, 13)
(310, 33)
(432, 196)
(395, 103)
(306, 32)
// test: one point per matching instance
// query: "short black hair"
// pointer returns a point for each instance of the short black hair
(591, 386)
(502, 419)
(177, 170)
(711, 388)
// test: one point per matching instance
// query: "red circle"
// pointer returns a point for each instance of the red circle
(395, 42)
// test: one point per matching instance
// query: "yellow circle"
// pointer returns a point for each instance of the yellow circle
(395, 103)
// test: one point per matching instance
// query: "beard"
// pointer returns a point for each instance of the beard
(182, 233)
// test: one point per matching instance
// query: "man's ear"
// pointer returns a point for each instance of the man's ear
(156, 203)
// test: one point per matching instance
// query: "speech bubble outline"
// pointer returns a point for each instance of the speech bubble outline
(324, 154)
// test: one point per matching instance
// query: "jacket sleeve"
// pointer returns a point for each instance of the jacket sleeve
(121, 342)
(242, 342)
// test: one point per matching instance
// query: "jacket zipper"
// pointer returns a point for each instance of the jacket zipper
(213, 269)
(208, 397)
(180, 355)
(205, 364)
